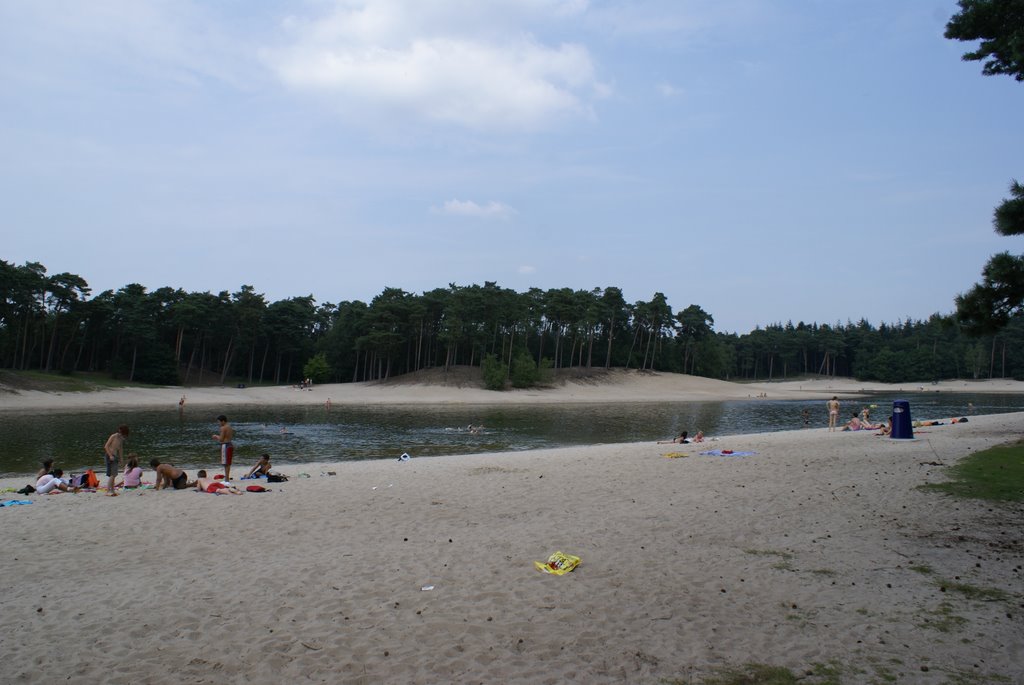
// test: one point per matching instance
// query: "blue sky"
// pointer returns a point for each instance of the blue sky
(814, 160)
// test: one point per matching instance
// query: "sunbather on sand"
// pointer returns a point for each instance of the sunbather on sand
(854, 424)
(204, 484)
(681, 440)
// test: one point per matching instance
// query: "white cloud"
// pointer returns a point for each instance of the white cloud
(491, 210)
(668, 90)
(461, 62)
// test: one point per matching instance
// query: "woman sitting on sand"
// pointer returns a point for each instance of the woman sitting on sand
(47, 468)
(262, 467)
(854, 424)
(132, 472)
(886, 428)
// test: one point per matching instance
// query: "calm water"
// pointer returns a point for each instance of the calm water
(348, 433)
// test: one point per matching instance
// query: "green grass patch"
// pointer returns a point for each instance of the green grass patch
(752, 674)
(942, 619)
(923, 569)
(785, 557)
(995, 474)
(978, 594)
(766, 674)
(967, 678)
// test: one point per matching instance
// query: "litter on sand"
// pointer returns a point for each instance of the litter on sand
(558, 564)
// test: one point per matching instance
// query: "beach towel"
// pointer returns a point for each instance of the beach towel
(727, 453)
(675, 455)
(558, 564)
(12, 502)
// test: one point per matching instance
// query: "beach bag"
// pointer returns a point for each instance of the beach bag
(276, 478)
(256, 488)
(89, 479)
(78, 481)
(27, 490)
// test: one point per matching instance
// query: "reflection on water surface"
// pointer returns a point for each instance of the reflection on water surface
(347, 433)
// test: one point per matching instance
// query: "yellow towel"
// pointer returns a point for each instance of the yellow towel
(558, 564)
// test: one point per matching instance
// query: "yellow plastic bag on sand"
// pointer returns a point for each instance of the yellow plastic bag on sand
(674, 455)
(558, 564)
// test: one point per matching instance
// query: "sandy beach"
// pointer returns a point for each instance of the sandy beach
(817, 549)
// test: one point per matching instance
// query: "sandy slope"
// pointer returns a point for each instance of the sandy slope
(616, 386)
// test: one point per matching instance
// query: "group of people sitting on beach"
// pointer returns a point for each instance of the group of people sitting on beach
(168, 476)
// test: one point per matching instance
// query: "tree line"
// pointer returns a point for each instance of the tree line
(172, 337)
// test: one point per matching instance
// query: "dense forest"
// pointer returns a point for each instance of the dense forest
(169, 336)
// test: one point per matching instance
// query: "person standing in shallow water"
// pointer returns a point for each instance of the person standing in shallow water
(225, 437)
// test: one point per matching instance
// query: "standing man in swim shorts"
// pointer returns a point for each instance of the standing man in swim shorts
(833, 413)
(227, 448)
(113, 450)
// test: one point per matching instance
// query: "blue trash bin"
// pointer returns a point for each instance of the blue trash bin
(902, 428)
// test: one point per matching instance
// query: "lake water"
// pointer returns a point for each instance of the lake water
(76, 440)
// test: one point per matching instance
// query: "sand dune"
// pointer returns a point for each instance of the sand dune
(614, 386)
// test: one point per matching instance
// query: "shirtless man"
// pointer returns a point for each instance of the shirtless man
(204, 484)
(227, 448)
(169, 476)
(833, 413)
(113, 450)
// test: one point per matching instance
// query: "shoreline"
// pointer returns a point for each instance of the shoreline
(818, 548)
(616, 386)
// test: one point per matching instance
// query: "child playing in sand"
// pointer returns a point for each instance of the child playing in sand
(204, 484)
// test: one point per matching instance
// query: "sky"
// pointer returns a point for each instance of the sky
(767, 160)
